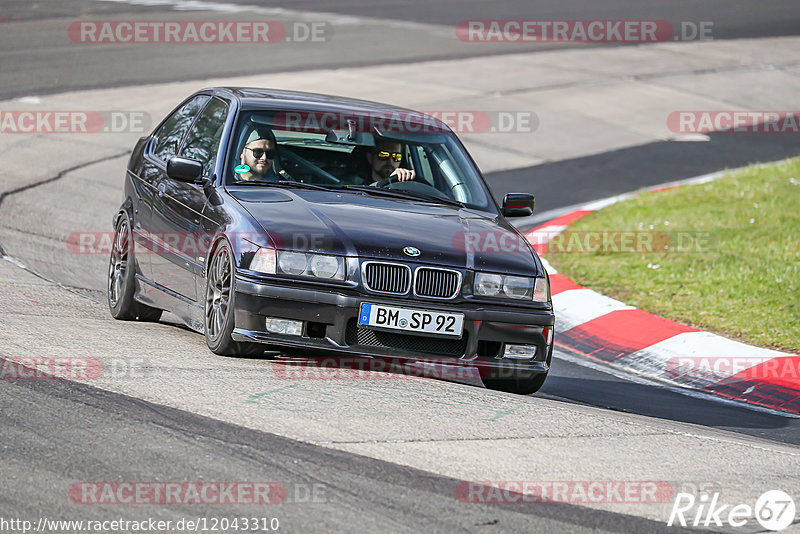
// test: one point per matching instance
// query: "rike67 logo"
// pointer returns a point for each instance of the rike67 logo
(774, 510)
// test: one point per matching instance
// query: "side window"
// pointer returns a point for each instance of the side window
(172, 131)
(202, 142)
(425, 170)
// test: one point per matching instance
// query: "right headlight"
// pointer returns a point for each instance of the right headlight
(512, 287)
(321, 266)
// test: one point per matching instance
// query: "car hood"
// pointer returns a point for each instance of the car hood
(381, 228)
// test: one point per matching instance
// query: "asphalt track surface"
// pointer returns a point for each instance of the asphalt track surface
(735, 18)
(39, 58)
(629, 169)
(360, 494)
(78, 432)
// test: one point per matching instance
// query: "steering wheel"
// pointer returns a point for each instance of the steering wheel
(393, 182)
(390, 180)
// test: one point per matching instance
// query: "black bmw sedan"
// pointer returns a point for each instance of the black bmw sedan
(302, 222)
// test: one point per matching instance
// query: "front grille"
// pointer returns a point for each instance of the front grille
(389, 278)
(408, 343)
(437, 283)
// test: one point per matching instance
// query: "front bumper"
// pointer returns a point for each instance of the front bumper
(330, 326)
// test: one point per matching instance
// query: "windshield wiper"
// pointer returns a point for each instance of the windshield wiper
(284, 183)
(400, 193)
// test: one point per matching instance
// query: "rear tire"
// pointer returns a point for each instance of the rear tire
(220, 305)
(121, 278)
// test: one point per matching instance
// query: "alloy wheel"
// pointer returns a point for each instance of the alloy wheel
(218, 293)
(118, 263)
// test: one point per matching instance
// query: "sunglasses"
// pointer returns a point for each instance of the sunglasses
(259, 152)
(384, 155)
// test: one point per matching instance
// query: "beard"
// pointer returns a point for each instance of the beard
(386, 171)
(260, 169)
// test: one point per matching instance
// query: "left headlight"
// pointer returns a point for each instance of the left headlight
(513, 287)
(322, 266)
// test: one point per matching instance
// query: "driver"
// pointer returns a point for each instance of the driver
(259, 157)
(384, 162)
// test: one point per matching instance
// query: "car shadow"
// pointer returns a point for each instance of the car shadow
(301, 365)
(567, 382)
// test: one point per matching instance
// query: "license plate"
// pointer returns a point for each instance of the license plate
(406, 320)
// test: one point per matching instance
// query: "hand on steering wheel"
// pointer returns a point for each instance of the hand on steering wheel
(399, 175)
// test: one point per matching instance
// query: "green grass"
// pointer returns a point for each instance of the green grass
(732, 265)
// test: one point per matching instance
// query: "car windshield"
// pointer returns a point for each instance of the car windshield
(268, 148)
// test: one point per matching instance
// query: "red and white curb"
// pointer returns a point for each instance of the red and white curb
(625, 337)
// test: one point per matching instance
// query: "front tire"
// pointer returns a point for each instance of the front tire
(220, 305)
(517, 382)
(121, 282)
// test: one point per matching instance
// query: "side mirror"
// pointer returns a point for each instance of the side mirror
(185, 170)
(518, 204)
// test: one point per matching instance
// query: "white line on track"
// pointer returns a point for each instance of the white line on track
(14, 261)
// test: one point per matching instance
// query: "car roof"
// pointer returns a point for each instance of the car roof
(255, 98)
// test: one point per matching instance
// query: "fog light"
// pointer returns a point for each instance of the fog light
(286, 327)
(520, 352)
